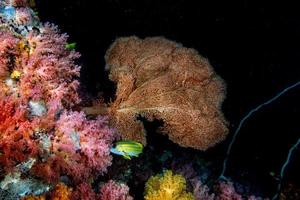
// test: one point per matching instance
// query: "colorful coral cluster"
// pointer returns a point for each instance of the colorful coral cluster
(169, 186)
(109, 191)
(39, 133)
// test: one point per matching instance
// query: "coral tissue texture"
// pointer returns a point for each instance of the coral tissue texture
(160, 79)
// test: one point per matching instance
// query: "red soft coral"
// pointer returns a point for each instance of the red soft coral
(16, 135)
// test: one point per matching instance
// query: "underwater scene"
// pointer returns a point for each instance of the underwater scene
(149, 100)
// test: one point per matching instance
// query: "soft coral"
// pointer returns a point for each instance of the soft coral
(16, 133)
(80, 148)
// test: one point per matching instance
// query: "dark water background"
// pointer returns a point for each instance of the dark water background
(253, 45)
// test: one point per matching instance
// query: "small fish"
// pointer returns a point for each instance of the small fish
(15, 74)
(71, 46)
(127, 149)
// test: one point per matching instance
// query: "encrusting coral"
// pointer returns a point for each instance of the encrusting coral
(167, 187)
(160, 79)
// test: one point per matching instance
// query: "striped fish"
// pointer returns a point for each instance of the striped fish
(127, 149)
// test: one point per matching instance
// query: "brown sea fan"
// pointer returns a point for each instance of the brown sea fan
(159, 79)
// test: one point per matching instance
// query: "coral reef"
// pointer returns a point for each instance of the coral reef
(51, 147)
(159, 79)
(35, 122)
(41, 137)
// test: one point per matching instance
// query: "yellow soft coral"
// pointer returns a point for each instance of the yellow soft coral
(167, 187)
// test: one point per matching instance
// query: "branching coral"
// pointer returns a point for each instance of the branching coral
(167, 187)
(159, 79)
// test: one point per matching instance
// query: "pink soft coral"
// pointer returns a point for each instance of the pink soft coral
(109, 191)
(226, 191)
(80, 147)
(114, 191)
(38, 83)
(8, 44)
(48, 63)
(83, 192)
(47, 69)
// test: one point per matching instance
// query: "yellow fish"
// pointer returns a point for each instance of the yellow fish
(127, 149)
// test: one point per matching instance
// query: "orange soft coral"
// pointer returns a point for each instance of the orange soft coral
(61, 192)
(159, 79)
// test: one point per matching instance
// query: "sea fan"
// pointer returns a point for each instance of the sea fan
(159, 79)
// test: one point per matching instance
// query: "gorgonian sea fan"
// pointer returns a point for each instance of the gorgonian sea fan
(159, 79)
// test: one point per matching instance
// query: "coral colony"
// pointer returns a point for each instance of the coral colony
(49, 149)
